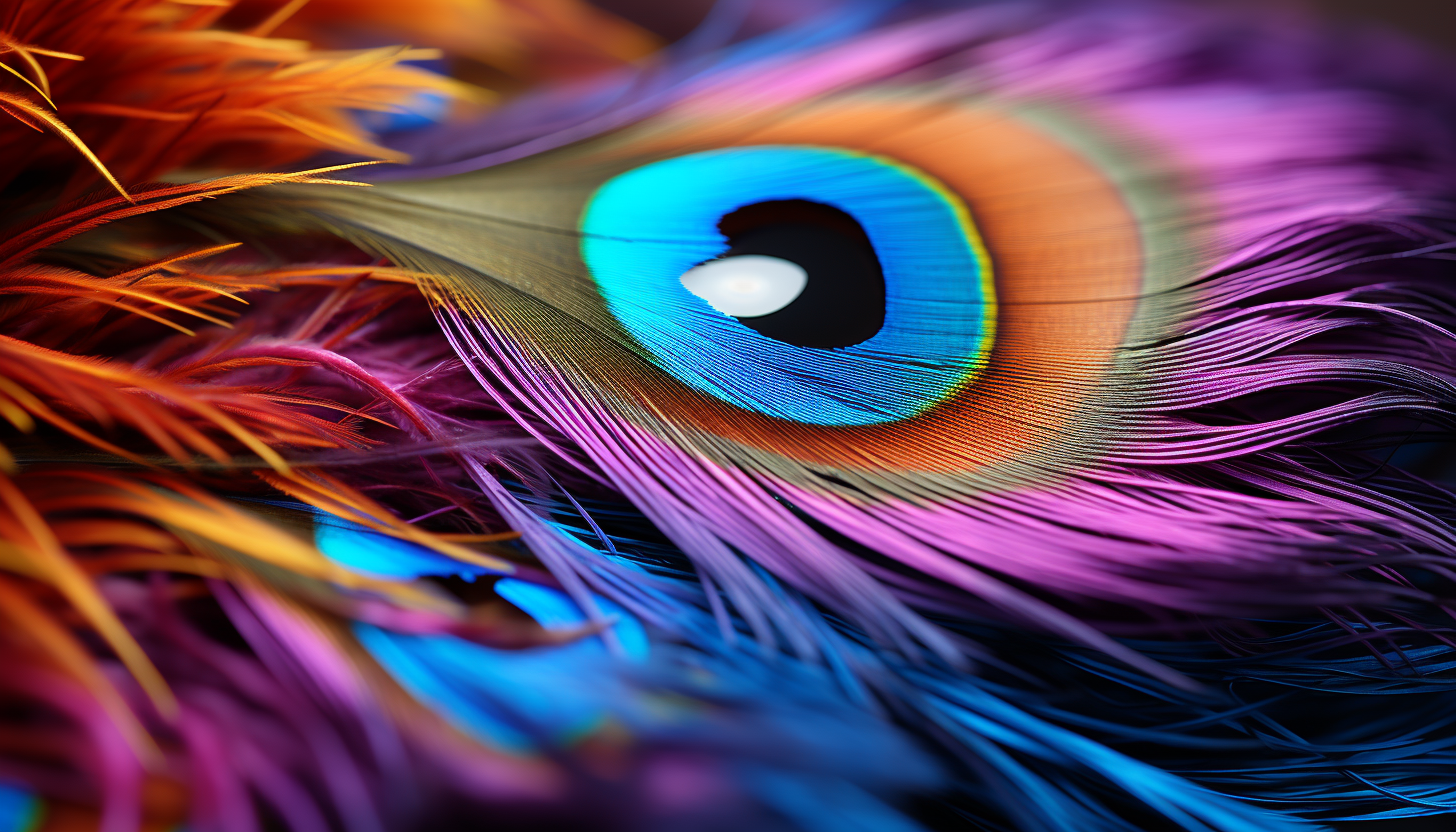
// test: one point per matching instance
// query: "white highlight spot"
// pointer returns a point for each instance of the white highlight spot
(747, 286)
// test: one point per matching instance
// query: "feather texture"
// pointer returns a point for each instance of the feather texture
(1110, 519)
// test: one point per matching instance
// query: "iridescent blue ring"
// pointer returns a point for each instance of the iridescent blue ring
(643, 228)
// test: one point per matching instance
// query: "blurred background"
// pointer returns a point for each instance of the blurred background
(1431, 20)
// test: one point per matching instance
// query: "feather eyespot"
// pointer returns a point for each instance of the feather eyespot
(897, 298)
(987, 269)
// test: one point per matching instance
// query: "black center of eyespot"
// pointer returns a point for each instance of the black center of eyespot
(843, 303)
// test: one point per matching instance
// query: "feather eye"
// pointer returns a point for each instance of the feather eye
(967, 281)
(922, 282)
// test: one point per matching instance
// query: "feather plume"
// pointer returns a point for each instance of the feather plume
(388, 506)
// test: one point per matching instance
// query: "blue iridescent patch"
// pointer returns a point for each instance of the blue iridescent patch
(20, 809)
(644, 228)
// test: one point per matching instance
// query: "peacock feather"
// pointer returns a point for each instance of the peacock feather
(892, 416)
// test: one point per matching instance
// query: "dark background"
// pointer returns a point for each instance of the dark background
(1432, 21)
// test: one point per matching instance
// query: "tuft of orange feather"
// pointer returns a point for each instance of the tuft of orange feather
(512, 42)
(182, 413)
(119, 345)
(143, 88)
(62, 527)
